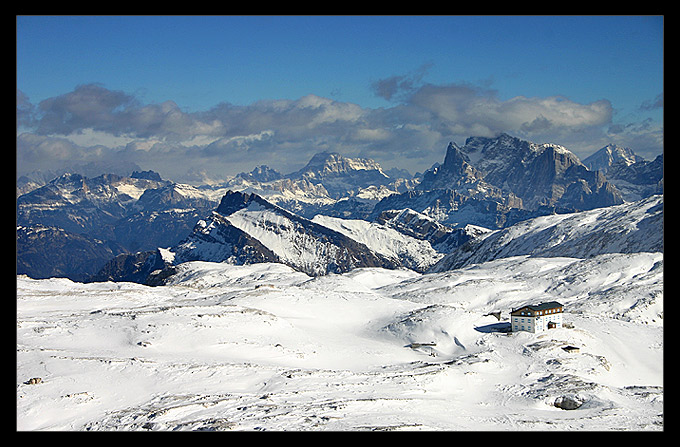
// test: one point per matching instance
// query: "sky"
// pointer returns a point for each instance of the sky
(200, 98)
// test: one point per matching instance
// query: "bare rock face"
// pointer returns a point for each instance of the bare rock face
(540, 174)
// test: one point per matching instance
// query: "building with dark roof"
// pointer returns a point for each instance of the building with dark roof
(537, 317)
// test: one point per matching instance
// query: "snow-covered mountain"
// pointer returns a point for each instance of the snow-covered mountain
(132, 213)
(342, 175)
(262, 173)
(496, 182)
(638, 180)
(261, 319)
(453, 209)
(627, 228)
(489, 183)
(329, 184)
(246, 229)
(419, 226)
(539, 174)
(404, 250)
(142, 212)
(457, 174)
(80, 204)
(634, 176)
(610, 155)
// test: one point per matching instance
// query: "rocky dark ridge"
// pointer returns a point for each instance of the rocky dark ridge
(141, 267)
(47, 252)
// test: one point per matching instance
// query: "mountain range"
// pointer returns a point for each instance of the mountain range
(346, 297)
(333, 215)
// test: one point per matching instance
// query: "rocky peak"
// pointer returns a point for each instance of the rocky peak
(147, 175)
(342, 176)
(261, 173)
(454, 172)
(234, 201)
(610, 155)
(455, 159)
(325, 163)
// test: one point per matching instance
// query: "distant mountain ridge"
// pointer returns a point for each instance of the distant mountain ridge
(489, 183)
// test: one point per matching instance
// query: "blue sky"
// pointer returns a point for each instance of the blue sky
(223, 94)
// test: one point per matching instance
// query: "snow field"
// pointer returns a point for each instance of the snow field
(263, 347)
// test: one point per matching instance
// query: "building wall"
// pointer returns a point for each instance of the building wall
(524, 323)
(535, 323)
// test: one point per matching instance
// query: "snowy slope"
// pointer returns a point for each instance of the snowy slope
(407, 251)
(265, 347)
(258, 231)
(628, 228)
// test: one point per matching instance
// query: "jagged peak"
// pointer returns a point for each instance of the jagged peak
(455, 156)
(233, 201)
(609, 155)
(262, 173)
(334, 162)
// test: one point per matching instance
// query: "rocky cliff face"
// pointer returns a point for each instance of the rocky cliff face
(539, 174)
(496, 182)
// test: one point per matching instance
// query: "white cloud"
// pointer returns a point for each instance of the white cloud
(95, 122)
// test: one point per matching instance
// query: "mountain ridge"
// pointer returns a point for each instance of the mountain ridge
(627, 228)
(294, 240)
(142, 212)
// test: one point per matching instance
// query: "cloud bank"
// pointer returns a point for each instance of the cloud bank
(95, 124)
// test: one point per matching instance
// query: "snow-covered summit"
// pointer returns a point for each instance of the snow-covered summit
(610, 155)
(342, 176)
(326, 163)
